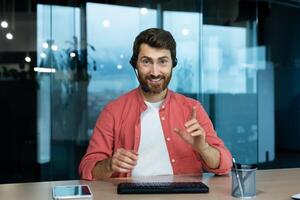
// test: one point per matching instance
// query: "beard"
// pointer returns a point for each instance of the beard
(154, 84)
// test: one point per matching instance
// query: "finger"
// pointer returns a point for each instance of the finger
(123, 165)
(120, 166)
(134, 152)
(130, 154)
(116, 168)
(125, 156)
(197, 133)
(127, 160)
(194, 127)
(194, 114)
(177, 130)
(190, 123)
(121, 170)
(183, 135)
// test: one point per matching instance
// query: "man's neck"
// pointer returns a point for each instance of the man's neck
(152, 98)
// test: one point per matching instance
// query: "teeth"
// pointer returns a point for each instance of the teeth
(155, 80)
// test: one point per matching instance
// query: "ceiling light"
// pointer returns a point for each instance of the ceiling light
(54, 47)
(144, 11)
(27, 59)
(43, 55)
(45, 45)
(72, 54)
(106, 23)
(44, 70)
(4, 24)
(9, 36)
(185, 31)
(119, 66)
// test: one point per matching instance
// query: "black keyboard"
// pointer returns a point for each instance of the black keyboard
(162, 187)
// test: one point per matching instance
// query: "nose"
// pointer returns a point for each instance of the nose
(155, 69)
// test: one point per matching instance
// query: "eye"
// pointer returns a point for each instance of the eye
(145, 62)
(163, 62)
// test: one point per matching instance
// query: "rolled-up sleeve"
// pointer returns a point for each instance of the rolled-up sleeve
(225, 162)
(214, 141)
(100, 146)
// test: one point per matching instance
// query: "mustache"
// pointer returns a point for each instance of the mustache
(155, 77)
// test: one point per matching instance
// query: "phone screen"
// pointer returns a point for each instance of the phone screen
(71, 191)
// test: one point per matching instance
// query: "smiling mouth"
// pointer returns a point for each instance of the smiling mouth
(155, 80)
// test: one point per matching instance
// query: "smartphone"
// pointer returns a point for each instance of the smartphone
(71, 192)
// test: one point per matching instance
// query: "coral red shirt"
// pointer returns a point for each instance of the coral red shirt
(118, 126)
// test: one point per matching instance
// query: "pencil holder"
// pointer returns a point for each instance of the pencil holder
(243, 181)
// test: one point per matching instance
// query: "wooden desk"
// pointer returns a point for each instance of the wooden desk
(271, 184)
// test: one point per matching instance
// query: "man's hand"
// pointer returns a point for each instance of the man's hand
(123, 160)
(193, 134)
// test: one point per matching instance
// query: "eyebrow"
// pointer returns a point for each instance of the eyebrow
(163, 57)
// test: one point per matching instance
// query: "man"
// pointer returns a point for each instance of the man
(152, 130)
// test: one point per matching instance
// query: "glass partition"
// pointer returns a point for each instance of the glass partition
(185, 27)
(61, 62)
(111, 30)
(218, 64)
(62, 91)
(234, 80)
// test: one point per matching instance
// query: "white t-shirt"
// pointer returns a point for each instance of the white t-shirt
(153, 156)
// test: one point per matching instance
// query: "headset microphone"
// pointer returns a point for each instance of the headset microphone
(145, 88)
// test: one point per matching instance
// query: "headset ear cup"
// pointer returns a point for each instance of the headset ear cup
(175, 62)
(132, 62)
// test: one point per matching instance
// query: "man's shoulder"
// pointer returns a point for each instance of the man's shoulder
(184, 99)
(186, 103)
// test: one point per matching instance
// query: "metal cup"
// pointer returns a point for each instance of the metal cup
(243, 181)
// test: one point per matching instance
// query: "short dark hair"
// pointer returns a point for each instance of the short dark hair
(157, 38)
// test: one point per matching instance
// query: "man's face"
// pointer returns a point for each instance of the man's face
(154, 68)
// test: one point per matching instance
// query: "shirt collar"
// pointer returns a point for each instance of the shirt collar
(142, 104)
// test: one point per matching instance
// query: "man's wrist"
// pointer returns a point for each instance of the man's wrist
(203, 148)
(109, 166)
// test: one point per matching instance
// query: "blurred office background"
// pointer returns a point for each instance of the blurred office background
(62, 61)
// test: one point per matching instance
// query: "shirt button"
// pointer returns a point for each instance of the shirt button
(168, 139)
(163, 118)
(163, 107)
(173, 160)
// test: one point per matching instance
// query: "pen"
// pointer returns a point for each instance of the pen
(238, 177)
